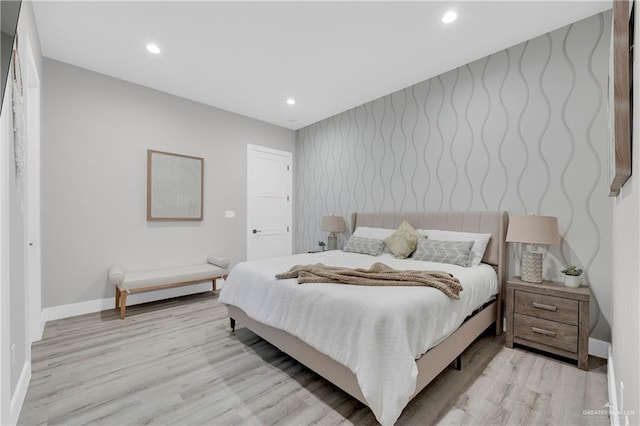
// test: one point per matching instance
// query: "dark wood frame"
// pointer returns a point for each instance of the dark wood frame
(622, 109)
(150, 217)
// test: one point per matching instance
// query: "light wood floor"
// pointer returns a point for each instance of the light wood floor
(175, 362)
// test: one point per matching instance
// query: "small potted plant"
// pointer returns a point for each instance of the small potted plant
(572, 276)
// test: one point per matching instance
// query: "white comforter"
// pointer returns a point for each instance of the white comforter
(377, 332)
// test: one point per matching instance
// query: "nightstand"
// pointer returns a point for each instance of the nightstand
(549, 317)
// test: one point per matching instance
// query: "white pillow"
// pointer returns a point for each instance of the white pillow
(374, 233)
(480, 241)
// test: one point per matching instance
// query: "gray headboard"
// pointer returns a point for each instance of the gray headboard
(493, 222)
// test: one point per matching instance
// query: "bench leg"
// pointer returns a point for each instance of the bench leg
(123, 304)
(117, 297)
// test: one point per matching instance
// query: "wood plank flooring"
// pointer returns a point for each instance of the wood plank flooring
(175, 362)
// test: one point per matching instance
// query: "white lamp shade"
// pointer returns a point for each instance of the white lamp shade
(332, 224)
(533, 230)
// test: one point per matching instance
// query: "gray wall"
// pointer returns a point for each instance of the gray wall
(96, 132)
(523, 130)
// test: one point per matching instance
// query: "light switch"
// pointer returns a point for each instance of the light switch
(230, 214)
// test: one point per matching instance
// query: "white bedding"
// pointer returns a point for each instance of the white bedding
(377, 332)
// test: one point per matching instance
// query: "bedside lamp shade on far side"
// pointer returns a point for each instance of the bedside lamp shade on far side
(532, 230)
(333, 225)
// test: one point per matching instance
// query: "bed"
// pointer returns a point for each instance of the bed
(356, 345)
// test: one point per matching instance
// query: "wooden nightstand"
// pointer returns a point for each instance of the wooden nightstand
(549, 317)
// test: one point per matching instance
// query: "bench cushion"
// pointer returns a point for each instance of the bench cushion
(131, 281)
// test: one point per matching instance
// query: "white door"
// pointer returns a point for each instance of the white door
(269, 211)
(33, 279)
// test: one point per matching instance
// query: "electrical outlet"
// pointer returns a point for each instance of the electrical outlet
(13, 354)
(229, 214)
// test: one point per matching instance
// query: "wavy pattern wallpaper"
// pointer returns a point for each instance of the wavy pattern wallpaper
(524, 130)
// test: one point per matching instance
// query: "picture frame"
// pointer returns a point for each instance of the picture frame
(174, 186)
(620, 95)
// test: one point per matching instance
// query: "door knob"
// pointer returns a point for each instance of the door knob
(255, 231)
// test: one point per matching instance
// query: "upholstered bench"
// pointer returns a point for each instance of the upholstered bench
(156, 279)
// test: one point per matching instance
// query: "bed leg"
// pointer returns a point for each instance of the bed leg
(458, 362)
(232, 322)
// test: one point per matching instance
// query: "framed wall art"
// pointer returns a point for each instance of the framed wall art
(620, 96)
(174, 186)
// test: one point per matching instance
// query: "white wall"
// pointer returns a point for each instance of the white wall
(96, 133)
(15, 367)
(625, 297)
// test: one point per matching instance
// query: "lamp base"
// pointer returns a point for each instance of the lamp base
(332, 242)
(531, 267)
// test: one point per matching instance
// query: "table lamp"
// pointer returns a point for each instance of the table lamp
(532, 230)
(333, 225)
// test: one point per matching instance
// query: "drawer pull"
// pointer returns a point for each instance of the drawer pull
(545, 307)
(543, 331)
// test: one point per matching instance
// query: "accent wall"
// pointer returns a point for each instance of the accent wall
(523, 130)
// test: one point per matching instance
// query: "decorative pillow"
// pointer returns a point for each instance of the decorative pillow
(375, 233)
(368, 246)
(480, 241)
(454, 252)
(403, 241)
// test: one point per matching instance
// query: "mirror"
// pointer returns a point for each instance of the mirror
(9, 12)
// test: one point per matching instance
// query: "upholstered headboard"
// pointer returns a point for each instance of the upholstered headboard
(482, 222)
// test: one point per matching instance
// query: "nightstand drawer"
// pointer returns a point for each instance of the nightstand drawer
(547, 332)
(548, 307)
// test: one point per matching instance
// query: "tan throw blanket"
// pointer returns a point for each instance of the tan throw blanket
(378, 275)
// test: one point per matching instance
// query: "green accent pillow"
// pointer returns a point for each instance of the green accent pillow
(403, 241)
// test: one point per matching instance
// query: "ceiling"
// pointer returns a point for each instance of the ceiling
(249, 57)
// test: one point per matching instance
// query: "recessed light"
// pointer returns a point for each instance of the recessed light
(449, 17)
(153, 48)
(291, 101)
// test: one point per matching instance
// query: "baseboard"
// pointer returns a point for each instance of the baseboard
(613, 394)
(599, 348)
(43, 322)
(98, 305)
(17, 399)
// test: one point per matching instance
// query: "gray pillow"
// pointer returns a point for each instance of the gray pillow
(368, 246)
(454, 252)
